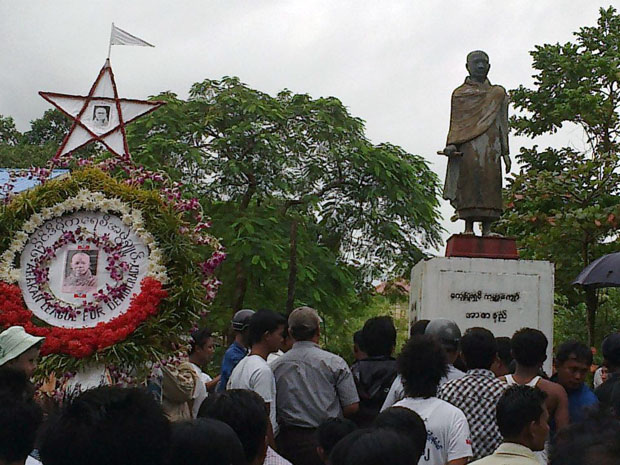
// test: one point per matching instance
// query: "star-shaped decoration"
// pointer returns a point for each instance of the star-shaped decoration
(100, 116)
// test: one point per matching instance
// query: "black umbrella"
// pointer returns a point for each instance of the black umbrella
(602, 272)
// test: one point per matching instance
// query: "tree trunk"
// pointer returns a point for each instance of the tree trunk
(591, 307)
(292, 268)
(241, 284)
(241, 279)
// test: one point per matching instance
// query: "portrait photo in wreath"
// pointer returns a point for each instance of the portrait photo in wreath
(80, 271)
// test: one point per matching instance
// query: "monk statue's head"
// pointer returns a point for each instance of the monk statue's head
(478, 65)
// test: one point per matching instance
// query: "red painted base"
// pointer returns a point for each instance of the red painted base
(465, 245)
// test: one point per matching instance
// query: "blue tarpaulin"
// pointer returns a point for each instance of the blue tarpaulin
(22, 182)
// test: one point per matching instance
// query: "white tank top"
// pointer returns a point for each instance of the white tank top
(532, 383)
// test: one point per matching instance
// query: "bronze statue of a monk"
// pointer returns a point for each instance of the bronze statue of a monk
(477, 142)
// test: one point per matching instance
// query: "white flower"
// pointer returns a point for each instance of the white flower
(8, 256)
(58, 209)
(21, 236)
(14, 275)
(71, 204)
(46, 213)
(116, 204)
(36, 220)
(136, 217)
(15, 248)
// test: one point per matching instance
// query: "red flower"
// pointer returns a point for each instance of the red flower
(83, 342)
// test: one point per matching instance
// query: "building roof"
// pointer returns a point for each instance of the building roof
(22, 181)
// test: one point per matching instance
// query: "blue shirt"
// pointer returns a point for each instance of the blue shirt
(233, 355)
(578, 402)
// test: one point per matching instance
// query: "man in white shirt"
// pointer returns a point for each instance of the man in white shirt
(253, 372)
(422, 363)
(201, 353)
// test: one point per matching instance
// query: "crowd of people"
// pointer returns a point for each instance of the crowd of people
(280, 399)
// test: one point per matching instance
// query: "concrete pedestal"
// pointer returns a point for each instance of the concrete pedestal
(500, 295)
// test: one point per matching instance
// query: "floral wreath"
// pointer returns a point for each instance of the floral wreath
(82, 342)
(172, 296)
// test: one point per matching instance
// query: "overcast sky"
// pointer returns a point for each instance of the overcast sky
(392, 63)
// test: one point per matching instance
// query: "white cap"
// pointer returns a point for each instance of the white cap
(14, 342)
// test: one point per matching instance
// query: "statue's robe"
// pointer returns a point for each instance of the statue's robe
(479, 130)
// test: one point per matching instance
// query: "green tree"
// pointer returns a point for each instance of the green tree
(564, 203)
(9, 135)
(308, 208)
(38, 145)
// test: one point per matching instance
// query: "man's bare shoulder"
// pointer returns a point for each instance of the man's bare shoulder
(551, 388)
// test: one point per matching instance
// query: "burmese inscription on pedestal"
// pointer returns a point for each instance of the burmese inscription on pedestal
(500, 295)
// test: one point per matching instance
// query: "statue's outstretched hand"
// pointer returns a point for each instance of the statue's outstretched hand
(449, 150)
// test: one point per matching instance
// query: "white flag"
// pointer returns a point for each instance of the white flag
(120, 37)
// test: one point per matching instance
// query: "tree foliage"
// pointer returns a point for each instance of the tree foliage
(295, 189)
(564, 204)
(36, 146)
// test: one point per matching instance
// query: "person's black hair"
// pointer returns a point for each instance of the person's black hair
(199, 339)
(379, 336)
(593, 441)
(529, 347)
(19, 423)
(303, 333)
(245, 412)
(573, 350)
(264, 321)
(479, 348)
(504, 348)
(418, 328)
(107, 425)
(333, 430)
(375, 447)
(610, 349)
(358, 340)
(422, 363)
(407, 422)
(518, 406)
(204, 441)
(14, 384)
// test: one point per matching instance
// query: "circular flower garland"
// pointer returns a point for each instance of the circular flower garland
(82, 342)
(157, 319)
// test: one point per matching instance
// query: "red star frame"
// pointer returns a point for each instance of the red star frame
(100, 116)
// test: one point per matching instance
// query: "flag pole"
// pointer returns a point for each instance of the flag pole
(110, 45)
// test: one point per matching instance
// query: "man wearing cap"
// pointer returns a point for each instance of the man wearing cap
(238, 349)
(312, 385)
(608, 393)
(19, 350)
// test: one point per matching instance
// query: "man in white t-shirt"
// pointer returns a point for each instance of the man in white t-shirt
(422, 363)
(201, 353)
(253, 372)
